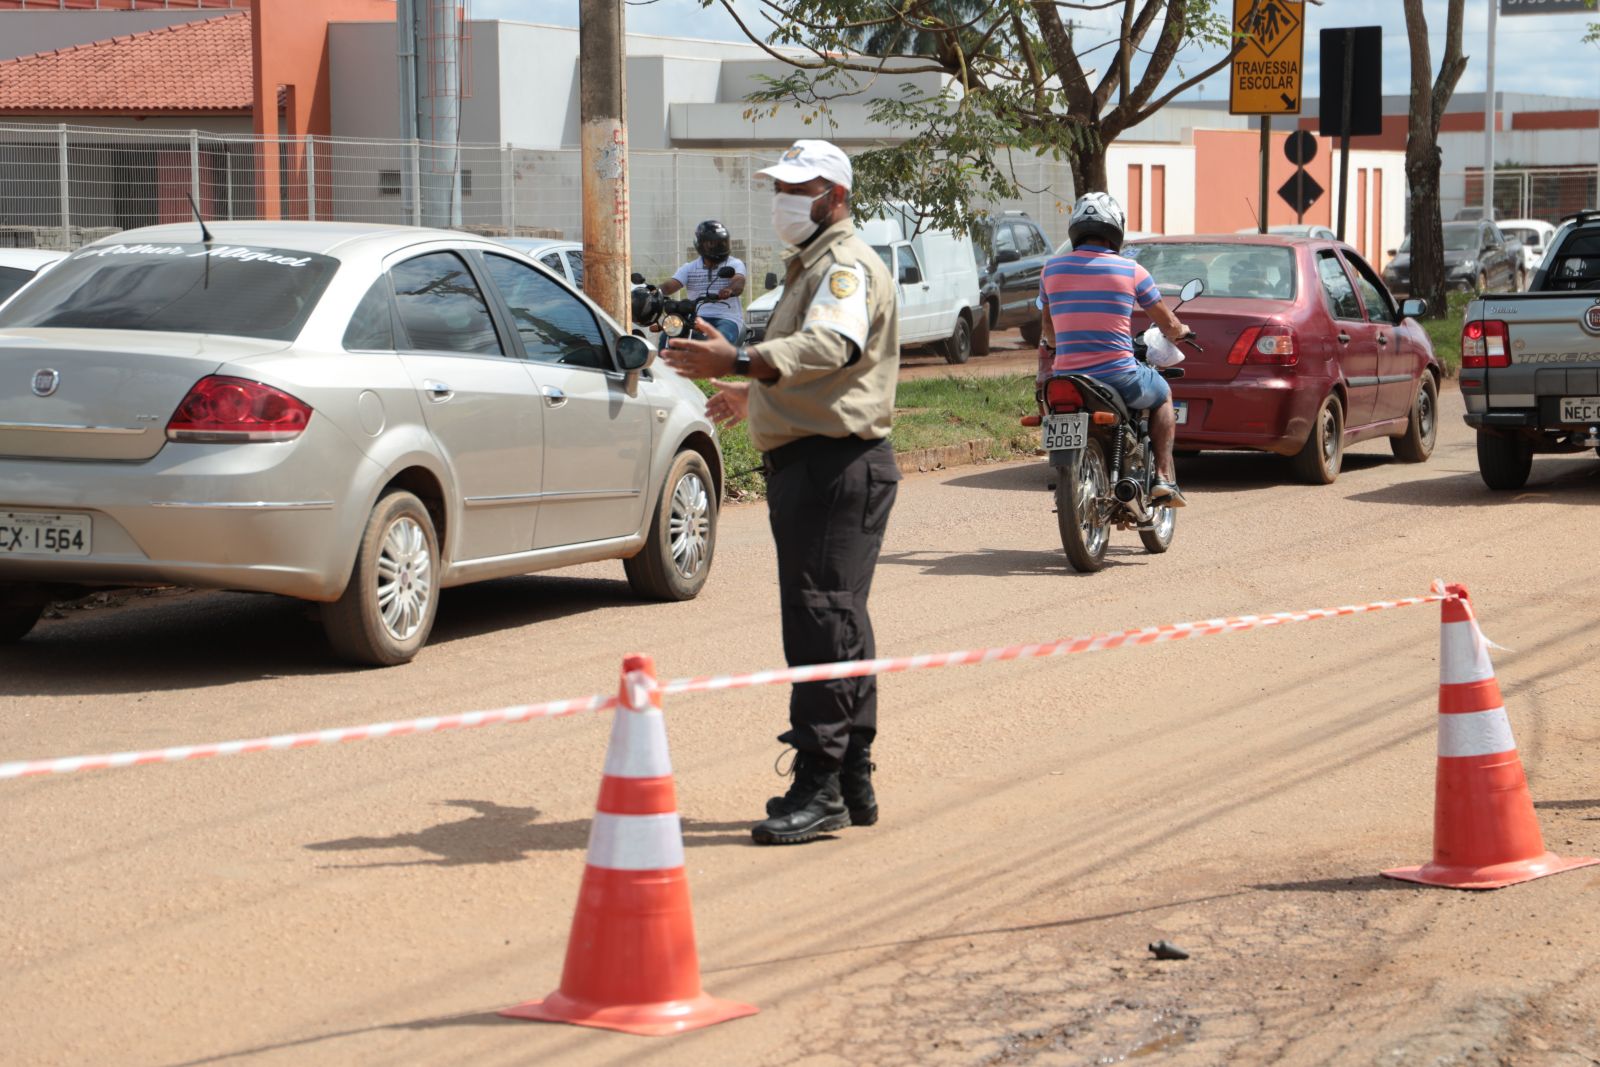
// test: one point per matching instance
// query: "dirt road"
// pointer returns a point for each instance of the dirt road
(1043, 821)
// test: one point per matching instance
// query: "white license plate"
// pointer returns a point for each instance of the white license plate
(40, 533)
(1066, 431)
(1180, 412)
(1580, 409)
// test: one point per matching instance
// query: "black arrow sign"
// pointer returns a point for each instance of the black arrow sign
(1289, 102)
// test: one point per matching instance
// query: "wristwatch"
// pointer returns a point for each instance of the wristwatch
(741, 361)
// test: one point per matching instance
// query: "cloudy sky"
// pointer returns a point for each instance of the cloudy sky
(1534, 54)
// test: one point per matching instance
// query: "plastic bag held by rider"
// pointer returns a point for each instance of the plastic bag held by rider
(1159, 351)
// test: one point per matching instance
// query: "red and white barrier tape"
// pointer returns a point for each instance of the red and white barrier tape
(816, 673)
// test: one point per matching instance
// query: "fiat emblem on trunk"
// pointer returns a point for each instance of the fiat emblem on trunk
(1591, 318)
(45, 381)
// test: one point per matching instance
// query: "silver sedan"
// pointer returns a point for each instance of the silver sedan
(353, 414)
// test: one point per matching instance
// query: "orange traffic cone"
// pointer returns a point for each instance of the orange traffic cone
(631, 960)
(1485, 832)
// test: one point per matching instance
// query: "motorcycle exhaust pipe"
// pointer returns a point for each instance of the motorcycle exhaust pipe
(1128, 495)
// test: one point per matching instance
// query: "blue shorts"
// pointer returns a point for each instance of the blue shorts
(1141, 387)
(727, 328)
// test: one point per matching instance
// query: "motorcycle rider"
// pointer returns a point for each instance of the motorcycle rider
(699, 277)
(1087, 298)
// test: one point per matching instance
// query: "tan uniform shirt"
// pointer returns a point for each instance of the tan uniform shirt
(835, 340)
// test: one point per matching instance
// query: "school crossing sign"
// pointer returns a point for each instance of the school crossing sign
(1264, 78)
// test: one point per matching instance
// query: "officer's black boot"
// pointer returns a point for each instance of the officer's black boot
(813, 803)
(855, 784)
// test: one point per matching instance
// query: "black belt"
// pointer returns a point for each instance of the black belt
(807, 447)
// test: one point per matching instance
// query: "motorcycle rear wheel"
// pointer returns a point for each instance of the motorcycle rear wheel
(1085, 529)
(1158, 540)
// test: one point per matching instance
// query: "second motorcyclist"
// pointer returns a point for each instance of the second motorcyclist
(1088, 296)
(698, 277)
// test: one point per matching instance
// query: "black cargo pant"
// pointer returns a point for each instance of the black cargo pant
(828, 500)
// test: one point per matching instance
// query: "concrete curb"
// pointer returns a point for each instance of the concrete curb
(965, 454)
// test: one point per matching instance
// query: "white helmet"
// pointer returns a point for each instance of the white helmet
(1097, 215)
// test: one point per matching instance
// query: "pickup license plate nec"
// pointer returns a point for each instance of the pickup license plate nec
(37, 533)
(1066, 431)
(1584, 409)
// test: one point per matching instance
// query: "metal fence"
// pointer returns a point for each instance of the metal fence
(61, 186)
(1546, 193)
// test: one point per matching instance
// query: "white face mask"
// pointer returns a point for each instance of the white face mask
(791, 217)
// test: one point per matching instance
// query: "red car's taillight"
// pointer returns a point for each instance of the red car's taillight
(1485, 344)
(1272, 344)
(1061, 395)
(220, 409)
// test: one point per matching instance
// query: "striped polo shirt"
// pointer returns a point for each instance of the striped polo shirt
(1091, 292)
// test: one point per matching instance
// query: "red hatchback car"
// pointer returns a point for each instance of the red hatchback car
(1305, 352)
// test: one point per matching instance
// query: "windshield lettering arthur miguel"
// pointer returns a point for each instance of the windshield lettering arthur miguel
(236, 290)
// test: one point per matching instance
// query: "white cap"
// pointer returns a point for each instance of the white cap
(811, 159)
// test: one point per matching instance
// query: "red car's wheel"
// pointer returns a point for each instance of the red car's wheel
(1318, 462)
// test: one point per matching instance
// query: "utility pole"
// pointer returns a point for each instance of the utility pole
(602, 111)
(1488, 118)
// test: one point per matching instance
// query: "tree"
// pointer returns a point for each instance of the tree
(1016, 82)
(1430, 96)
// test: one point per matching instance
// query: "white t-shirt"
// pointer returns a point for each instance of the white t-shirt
(696, 278)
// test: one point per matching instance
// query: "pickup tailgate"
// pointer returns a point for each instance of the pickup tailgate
(1549, 345)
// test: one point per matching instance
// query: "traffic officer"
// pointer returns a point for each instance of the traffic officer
(819, 404)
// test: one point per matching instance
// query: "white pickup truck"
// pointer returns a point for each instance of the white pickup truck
(936, 286)
(1530, 362)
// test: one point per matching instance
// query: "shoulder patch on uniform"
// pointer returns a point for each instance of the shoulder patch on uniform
(840, 304)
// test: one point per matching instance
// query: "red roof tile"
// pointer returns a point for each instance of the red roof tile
(193, 66)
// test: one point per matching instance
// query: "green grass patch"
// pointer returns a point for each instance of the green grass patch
(929, 413)
(1445, 332)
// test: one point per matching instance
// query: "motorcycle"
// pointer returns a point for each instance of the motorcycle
(674, 318)
(1104, 460)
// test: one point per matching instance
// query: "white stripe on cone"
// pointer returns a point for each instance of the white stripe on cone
(638, 746)
(636, 842)
(1463, 654)
(1475, 733)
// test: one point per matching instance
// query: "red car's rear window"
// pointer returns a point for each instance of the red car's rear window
(1240, 271)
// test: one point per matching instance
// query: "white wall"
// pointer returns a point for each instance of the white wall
(1385, 170)
(1178, 159)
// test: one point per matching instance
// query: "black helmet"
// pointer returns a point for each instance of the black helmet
(711, 241)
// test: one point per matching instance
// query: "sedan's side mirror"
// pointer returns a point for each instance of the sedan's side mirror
(1414, 309)
(633, 353)
(910, 274)
(771, 281)
(1008, 256)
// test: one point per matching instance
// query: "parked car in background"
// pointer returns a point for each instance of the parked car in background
(563, 257)
(1476, 259)
(1305, 353)
(19, 266)
(1530, 362)
(1011, 250)
(352, 414)
(1531, 237)
(936, 285)
(1298, 230)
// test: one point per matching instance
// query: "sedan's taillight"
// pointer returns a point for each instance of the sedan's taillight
(1060, 394)
(220, 409)
(1271, 344)
(1485, 344)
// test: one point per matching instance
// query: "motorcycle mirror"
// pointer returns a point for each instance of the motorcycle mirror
(636, 278)
(1191, 289)
(726, 272)
(771, 281)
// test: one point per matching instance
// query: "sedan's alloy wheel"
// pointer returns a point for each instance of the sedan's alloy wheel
(690, 524)
(405, 578)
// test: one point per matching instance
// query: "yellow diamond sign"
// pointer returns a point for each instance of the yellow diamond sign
(1266, 72)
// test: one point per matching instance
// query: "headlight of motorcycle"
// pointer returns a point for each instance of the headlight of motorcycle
(672, 324)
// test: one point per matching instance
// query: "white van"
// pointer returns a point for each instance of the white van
(936, 285)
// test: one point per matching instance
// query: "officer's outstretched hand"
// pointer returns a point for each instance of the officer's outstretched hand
(730, 404)
(700, 359)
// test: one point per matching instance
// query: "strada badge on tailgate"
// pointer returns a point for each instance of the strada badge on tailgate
(45, 381)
